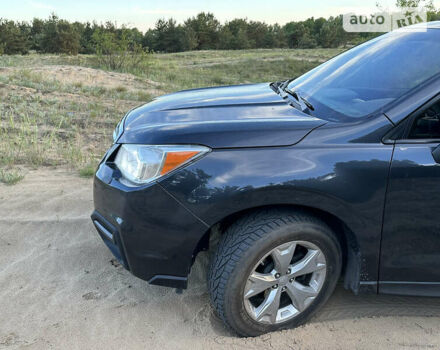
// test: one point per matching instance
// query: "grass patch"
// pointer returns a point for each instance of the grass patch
(120, 88)
(10, 177)
(87, 171)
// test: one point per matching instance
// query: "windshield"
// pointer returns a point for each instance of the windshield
(364, 79)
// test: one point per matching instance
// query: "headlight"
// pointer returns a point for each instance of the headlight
(142, 163)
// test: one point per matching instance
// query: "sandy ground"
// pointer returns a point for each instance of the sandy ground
(60, 288)
(85, 76)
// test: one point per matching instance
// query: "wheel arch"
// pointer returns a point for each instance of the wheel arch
(351, 253)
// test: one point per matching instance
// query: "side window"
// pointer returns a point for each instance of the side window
(426, 124)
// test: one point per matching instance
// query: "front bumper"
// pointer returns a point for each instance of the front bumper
(148, 231)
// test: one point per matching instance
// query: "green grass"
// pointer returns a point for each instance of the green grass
(10, 177)
(87, 171)
(47, 118)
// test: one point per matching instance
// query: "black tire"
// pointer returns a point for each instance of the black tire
(242, 246)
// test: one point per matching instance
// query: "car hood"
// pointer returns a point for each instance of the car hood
(219, 117)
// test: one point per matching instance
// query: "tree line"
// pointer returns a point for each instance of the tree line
(201, 32)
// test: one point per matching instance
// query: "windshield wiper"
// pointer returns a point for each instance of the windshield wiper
(280, 87)
(286, 83)
(299, 98)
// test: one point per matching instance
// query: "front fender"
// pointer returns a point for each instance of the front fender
(347, 181)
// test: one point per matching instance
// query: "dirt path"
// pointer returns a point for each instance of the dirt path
(61, 288)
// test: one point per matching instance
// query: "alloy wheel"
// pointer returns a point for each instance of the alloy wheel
(284, 282)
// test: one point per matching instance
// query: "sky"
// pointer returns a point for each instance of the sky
(143, 14)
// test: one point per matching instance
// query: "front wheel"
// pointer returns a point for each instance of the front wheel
(272, 270)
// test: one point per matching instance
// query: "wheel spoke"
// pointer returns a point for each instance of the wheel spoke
(282, 256)
(269, 307)
(299, 294)
(313, 261)
(257, 283)
(300, 282)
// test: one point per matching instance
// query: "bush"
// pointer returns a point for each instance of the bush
(118, 52)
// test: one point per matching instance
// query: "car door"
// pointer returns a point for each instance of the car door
(410, 249)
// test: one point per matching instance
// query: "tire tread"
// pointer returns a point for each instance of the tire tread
(237, 239)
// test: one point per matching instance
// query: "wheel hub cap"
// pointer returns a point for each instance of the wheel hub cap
(283, 280)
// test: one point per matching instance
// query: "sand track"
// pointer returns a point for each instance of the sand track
(85, 76)
(61, 288)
